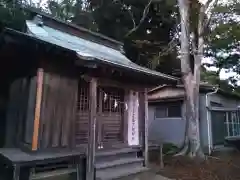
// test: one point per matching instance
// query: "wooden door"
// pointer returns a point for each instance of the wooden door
(110, 116)
(218, 127)
(110, 119)
(82, 113)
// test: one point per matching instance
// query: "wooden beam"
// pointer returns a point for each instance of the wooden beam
(37, 109)
(223, 109)
(145, 127)
(92, 130)
(113, 83)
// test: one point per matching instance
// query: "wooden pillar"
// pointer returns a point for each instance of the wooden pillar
(145, 133)
(16, 172)
(125, 116)
(37, 109)
(92, 129)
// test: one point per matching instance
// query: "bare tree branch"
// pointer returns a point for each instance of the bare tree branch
(209, 19)
(145, 12)
(132, 17)
(207, 4)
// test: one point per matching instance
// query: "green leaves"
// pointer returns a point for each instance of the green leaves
(12, 17)
(224, 38)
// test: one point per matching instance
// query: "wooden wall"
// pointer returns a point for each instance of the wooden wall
(20, 112)
(55, 122)
(57, 115)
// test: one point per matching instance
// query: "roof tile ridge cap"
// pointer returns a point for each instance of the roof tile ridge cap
(77, 27)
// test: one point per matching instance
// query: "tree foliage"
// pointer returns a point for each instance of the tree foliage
(224, 41)
(150, 32)
(115, 18)
(11, 16)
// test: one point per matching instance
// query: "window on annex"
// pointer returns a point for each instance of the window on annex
(169, 110)
(233, 123)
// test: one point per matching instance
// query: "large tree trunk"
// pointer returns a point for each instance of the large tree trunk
(191, 80)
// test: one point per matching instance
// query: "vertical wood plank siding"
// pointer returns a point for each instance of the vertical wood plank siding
(58, 110)
(17, 113)
(37, 109)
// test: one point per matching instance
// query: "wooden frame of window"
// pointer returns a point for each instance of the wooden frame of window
(232, 123)
(166, 110)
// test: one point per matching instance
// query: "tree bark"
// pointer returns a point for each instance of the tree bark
(191, 80)
(185, 145)
(191, 77)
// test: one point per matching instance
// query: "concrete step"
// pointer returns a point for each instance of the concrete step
(111, 175)
(113, 155)
(119, 162)
(116, 151)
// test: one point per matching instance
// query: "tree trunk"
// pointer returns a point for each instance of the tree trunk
(191, 82)
(192, 145)
(185, 145)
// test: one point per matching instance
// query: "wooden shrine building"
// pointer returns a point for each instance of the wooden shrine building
(72, 94)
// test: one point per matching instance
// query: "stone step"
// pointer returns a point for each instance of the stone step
(113, 155)
(116, 151)
(102, 175)
(119, 162)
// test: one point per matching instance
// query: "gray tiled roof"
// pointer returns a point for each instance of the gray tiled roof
(88, 49)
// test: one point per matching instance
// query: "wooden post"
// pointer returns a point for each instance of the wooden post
(125, 116)
(145, 127)
(232, 122)
(92, 130)
(37, 109)
(16, 172)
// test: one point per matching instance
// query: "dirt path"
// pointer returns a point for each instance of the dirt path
(149, 175)
(225, 167)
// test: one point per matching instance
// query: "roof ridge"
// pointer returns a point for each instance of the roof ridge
(72, 25)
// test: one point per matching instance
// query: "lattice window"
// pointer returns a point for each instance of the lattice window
(112, 99)
(233, 123)
(83, 96)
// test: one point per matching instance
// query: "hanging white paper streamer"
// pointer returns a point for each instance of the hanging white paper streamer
(115, 103)
(126, 106)
(105, 97)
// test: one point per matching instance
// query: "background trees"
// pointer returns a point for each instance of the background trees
(150, 30)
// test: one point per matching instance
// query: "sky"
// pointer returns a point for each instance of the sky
(223, 74)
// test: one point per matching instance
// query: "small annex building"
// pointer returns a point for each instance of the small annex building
(218, 111)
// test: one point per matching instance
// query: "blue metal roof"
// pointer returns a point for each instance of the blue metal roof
(87, 49)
